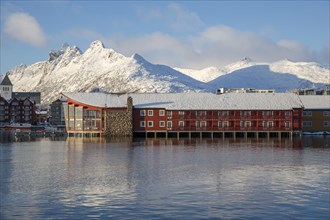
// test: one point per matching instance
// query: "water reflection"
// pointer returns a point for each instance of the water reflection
(79, 178)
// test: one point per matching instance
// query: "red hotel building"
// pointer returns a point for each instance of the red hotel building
(184, 114)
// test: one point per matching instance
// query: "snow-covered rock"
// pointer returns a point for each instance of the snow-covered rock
(99, 69)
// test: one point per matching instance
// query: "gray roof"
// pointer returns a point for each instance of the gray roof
(192, 101)
(315, 101)
(6, 81)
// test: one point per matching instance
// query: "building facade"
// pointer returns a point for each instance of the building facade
(17, 111)
(57, 117)
(12, 109)
(316, 114)
(184, 114)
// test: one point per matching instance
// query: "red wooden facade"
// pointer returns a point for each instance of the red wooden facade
(216, 120)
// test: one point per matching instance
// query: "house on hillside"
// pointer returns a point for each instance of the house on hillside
(184, 114)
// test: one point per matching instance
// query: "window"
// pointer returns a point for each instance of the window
(287, 124)
(326, 113)
(203, 124)
(79, 112)
(162, 124)
(161, 112)
(181, 124)
(271, 124)
(150, 112)
(264, 124)
(220, 124)
(142, 112)
(307, 113)
(169, 113)
(225, 124)
(245, 124)
(181, 112)
(307, 123)
(150, 124)
(287, 113)
(245, 113)
(169, 124)
(326, 124)
(198, 124)
(142, 124)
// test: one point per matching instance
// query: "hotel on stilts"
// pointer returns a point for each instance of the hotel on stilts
(183, 114)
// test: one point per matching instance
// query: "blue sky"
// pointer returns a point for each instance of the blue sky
(187, 34)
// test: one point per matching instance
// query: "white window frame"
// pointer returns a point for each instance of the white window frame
(142, 112)
(326, 113)
(169, 124)
(181, 124)
(271, 124)
(150, 124)
(264, 124)
(307, 123)
(150, 112)
(287, 124)
(181, 112)
(142, 124)
(161, 112)
(326, 124)
(307, 113)
(162, 124)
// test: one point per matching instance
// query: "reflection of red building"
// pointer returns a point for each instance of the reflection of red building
(179, 113)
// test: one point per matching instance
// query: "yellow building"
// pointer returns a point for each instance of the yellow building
(316, 114)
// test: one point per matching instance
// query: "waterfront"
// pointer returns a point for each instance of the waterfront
(80, 178)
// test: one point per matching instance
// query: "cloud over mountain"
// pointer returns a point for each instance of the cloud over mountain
(25, 28)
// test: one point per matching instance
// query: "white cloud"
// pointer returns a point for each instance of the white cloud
(183, 19)
(174, 16)
(25, 28)
(214, 46)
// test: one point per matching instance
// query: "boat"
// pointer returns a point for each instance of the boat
(18, 126)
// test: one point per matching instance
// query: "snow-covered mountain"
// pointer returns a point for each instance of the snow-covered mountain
(211, 73)
(255, 75)
(103, 69)
(99, 69)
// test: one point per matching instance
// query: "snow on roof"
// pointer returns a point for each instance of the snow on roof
(192, 101)
(315, 101)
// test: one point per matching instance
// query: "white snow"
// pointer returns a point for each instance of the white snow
(103, 69)
(315, 101)
(192, 101)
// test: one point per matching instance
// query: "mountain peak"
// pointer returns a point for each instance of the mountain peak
(247, 60)
(138, 58)
(96, 44)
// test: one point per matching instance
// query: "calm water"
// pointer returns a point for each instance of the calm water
(78, 178)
